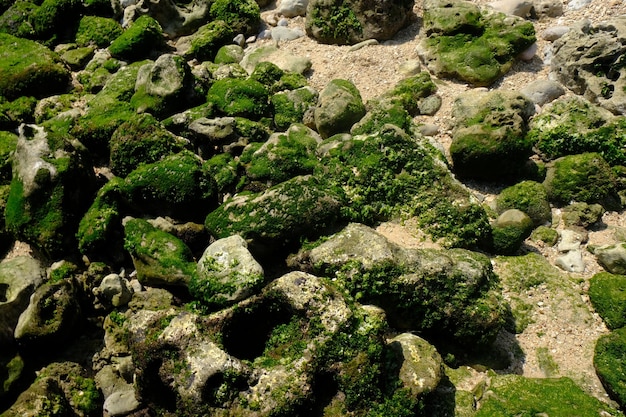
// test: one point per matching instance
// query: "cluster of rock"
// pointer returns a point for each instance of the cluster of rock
(243, 202)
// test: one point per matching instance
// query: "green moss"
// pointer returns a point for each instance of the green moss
(582, 214)
(97, 31)
(85, 395)
(13, 113)
(529, 197)
(521, 273)
(518, 396)
(64, 271)
(209, 38)
(225, 169)
(266, 73)
(8, 143)
(139, 40)
(410, 90)
(243, 16)
(336, 24)
(289, 81)
(382, 113)
(584, 178)
(545, 234)
(610, 360)
(16, 19)
(29, 69)
(141, 140)
(54, 17)
(290, 106)
(237, 97)
(607, 293)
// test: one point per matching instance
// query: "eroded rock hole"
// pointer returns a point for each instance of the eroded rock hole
(4, 289)
(247, 333)
(223, 387)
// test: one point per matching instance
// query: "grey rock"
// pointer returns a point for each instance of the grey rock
(584, 61)
(114, 291)
(570, 240)
(410, 67)
(529, 53)
(292, 8)
(19, 278)
(213, 133)
(339, 107)
(428, 129)
(572, 261)
(281, 58)
(429, 105)
(578, 4)
(548, 8)
(612, 258)
(554, 32)
(121, 403)
(281, 33)
(363, 44)
(543, 91)
(519, 8)
(240, 40)
(228, 264)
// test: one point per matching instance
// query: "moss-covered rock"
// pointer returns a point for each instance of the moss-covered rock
(516, 395)
(283, 156)
(529, 197)
(545, 234)
(49, 191)
(291, 106)
(29, 69)
(304, 206)
(229, 54)
(208, 39)
(165, 86)
(56, 19)
(77, 58)
(159, 258)
(489, 139)
(582, 214)
(607, 293)
(243, 16)
(141, 140)
(609, 360)
(572, 125)
(379, 114)
(225, 169)
(339, 107)
(465, 42)
(227, 273)
(138, 41)
(510, 230)
(412, 91)
(239, 97)
(391, 174)
(16, 19)
(585, 177)
(97, 31)
(8, 144)
(13, 113)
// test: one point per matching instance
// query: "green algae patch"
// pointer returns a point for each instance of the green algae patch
(238, 97)
(208, 39)
(610, 362)
(607, 293)
(243, 16)
(8, 143)
(97, 31)
(29, 69)
(139, 40)
(469, 44)
(514, 395)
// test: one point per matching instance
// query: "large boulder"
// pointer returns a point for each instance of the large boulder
(587, 59)
(28, 68)
(510, 230)
(139, 41)
(529, 197)
(240, 97)
(278, 56)
(609, 359)
(489, 137)
(50, 186)
(341, 22)
(450, 295)
(97, 31)
(207, 40)
(477, 46)
(612, 257)
(339, 107)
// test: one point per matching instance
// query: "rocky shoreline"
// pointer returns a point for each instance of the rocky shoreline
(235, 208)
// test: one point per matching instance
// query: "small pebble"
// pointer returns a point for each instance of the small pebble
(555, 32)
(578, 4)
(360, 45)
(529, 53)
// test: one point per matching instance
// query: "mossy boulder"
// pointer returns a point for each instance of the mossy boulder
(607, 293)
(339, 107)
(229, 54)
(50, 188)
(473, 45)
(227, 273)
(572, 125)
(12, 369)
(391, 174)
(14, 113)
(98, 71)
(612, 257)
(55, 19)
(510, 230)
(15, 20)
(8, 144)
(292, 105)
(489, 139)
(141, 140)
(283, 156)
(380, 113)
(165, 86)
(609, 359)
(208, 39)
(304, 206)
(28, 68)
(545, 234)
(267, 73)
(585, 177)
(240, 97)
(242, 16)
(582, 214)
(52, 318)
(528, 196)
(178, 186)
(97, 31)
(161, 260)
(77, 58)
(450, 295)
(411, 92)
(138, 41)
(557, 397)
